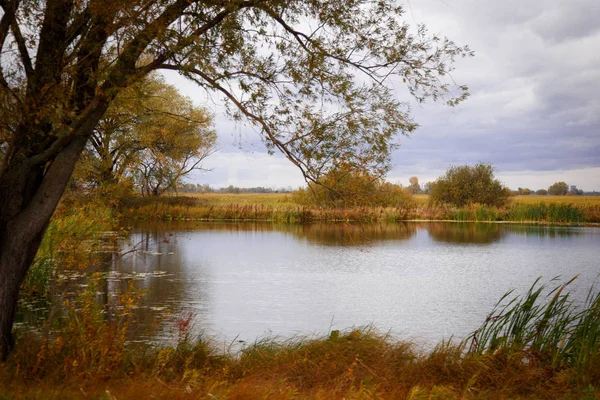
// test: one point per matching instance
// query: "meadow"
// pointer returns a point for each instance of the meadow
(282, 208)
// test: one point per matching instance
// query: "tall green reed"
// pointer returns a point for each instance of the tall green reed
(545, 324)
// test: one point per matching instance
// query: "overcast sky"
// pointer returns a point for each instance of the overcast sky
(534, 110)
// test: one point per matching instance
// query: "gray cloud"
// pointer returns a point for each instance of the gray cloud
(534, 82)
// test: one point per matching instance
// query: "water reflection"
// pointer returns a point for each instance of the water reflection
(331, 234)
(344, 234)
(424, 281)
(458, 232)
(543, 231)
(153, 261)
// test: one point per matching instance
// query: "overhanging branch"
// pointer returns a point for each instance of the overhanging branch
(251, 116)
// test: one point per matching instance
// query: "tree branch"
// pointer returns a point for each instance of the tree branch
(25, 58)
(189, 39)
(10, 8)
(253, 117)
(90, 115)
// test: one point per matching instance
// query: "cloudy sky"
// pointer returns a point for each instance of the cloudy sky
(534, 110)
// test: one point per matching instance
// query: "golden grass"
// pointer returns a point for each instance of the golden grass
(577, 200)
(423, 199)
(280, 208)
(273, 199)
(270, 199)
(353, 365)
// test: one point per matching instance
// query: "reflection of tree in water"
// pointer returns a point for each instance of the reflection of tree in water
(156, 267)
(465, 232)
(330, 234)
(229, 226)
(343, 234)
(542, 231)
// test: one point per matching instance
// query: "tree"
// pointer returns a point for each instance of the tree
(427, 187)
(414, 186)
(558, 189)
(347, 187)
(151, 132)
(523, 191)
(313, 76)
(574, 191)
(541, 192)
(464, 185)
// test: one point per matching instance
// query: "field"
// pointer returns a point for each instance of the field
(280, 207)
(273, 199)
(577, 200)
(267, 199)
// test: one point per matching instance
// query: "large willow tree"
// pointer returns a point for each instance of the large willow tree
(314, 76)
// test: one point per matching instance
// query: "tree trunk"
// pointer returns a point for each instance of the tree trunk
(28, 197)
(15, 258)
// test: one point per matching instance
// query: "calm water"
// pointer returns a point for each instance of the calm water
(421, 281)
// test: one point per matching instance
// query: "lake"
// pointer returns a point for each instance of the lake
(420, 281)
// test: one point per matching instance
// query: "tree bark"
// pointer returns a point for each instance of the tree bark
(25, 211)
(15, 258)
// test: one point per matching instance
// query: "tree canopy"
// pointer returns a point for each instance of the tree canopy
(558, 189)
(313, 76)
(347, 187)
(414, 187)
(150, 134)
(463, 185)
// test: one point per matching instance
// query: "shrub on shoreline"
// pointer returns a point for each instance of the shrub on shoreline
(467, 185)
(346, 188)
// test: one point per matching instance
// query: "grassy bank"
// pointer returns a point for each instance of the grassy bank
(280, 208)
(539, 346)
(77, 234)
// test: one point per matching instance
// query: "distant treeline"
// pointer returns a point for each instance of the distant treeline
(198, 188)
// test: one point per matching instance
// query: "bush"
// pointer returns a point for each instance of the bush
(347, 187)
(465, 185)
(558, 189)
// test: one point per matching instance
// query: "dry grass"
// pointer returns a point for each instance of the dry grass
(268, 199)
(577, 200)
(352, 365)
(280, 208)
(423, 199)
(85, 354)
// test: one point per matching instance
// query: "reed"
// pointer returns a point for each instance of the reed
(553, 212)
(540, 345)
(544, 326)
(282, 209)
(71, 238)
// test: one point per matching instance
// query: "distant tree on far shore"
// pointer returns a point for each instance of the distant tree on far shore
(467, 184)
(558, 189)
(541, 192)
(414, 186)
(346, 187)
(523, 191)
(574, 191)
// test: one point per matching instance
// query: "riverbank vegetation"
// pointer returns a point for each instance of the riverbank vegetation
(347, 187)
(465, 185)
(540, 345)
(283, 208)
(464, 193)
